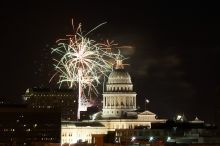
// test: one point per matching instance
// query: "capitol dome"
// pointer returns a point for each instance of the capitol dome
(119, 79)
(119, 76)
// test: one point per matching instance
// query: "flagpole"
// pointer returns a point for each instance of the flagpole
(146, 102)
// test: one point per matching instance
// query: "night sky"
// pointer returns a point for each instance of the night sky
(173, 49)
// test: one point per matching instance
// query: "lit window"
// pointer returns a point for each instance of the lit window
(28, 130)
(35, 125)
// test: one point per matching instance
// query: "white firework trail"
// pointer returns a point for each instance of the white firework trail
(81, 61)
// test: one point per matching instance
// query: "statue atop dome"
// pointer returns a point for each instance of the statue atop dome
(119, 64)
(119, 61)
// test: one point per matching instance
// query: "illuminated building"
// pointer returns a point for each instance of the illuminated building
(119, 98)
(73, 132)
(119, 111)
(22, 126)
(61, 99)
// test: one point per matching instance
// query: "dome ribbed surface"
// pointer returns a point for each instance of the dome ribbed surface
(119, 76)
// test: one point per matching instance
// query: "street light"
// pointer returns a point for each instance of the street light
(151, 138)
(168, 138)
(133, 138)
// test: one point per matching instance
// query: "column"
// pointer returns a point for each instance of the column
(104, 100)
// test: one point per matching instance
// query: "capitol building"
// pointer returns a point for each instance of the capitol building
(119, 111)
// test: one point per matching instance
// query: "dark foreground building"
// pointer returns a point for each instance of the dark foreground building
(170, 133)
(22, 126)
(46, 98)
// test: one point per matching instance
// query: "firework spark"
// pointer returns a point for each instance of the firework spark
(81, 62)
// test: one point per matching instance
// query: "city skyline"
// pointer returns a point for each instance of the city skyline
(173, 49)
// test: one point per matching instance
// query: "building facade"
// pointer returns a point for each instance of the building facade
(74, 131)
(171, 132)
(119, 98)
(22, 126)
(119, 111)
(45, 98)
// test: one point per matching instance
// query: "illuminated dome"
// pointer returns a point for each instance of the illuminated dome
(119, 76)
(119, 79)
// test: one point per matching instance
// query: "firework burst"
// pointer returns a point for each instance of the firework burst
(81, 61)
